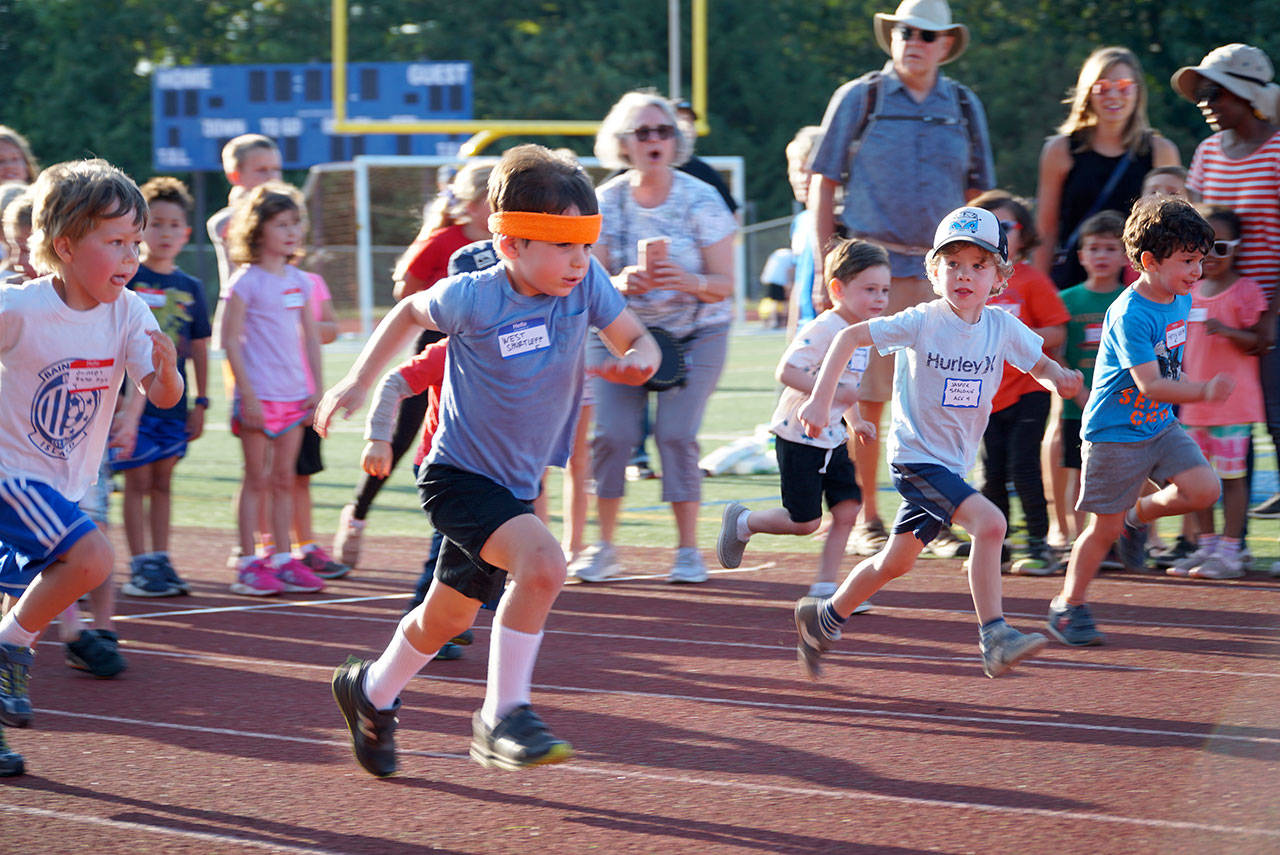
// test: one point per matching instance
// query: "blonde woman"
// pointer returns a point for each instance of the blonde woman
(1097, 160)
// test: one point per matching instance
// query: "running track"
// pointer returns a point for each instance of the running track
(694, 728)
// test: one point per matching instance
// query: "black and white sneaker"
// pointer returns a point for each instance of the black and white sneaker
(15, 670)
(373, 731)
(519, 740)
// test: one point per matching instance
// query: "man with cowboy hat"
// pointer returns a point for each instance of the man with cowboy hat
(908, 145)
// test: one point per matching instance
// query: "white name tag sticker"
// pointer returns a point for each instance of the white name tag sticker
(294, 298)
(1092, 333)
(153, 297)
(961, 392)
(858, 362)
(1175, 334)
(523, 337)
(89, 375)
(1014, 309)
(1198, 315)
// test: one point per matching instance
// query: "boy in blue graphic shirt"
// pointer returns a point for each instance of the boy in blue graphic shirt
(1129, 430)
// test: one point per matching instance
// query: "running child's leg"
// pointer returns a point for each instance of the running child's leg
(844, 515)
(871, 574)
(986, 526)
(137, 486)
(83, 567)
(161, 510)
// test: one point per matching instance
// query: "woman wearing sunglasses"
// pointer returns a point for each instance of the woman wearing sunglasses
(1097, 160)
(1239, 167)
(682, 283)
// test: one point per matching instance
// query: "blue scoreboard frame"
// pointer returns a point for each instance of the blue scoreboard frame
(196, 109)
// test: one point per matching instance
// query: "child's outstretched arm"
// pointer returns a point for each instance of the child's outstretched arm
(1157, 388)
(391, 336)
(164, 385)
(636, 353)
(1065, 381)
(816, 412)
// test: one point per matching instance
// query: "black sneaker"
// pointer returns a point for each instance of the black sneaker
(1268, 510)
(15, 669)
(373, 731)
(148, 579)
(1132, 548)
(520, 740)
(98, 652)
(171, 575)
(1073, 625)
(11, 763)
(1166, 558)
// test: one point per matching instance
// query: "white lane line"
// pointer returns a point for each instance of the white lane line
(619, 774)
(125, 825)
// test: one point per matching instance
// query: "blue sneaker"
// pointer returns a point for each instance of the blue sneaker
(10, 761)
(149, 579)
(1073, 625)
(1132, 547)
(15, 669)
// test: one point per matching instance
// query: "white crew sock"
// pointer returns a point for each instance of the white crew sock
(12, 632)
(512, 655)
(744, 530)
(387, 677)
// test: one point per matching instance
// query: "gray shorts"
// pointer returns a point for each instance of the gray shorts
(1114, 473)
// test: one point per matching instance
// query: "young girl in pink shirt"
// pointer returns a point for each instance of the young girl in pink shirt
(267, 315)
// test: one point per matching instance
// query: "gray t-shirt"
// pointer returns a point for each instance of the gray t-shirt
(913, 163)
(513, 378)
(945, 374)
(693, 216)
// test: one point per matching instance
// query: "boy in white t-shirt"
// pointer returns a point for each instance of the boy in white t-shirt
(857, 274)
(66, 341)
(950, 356)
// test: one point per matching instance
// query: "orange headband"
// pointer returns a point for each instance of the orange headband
(552, 228)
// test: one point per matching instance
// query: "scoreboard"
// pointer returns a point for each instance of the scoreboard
(196, 109)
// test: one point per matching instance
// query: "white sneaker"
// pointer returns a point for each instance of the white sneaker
(346, 540)
(1218, 567)
(822, 589)
(1182, 566)
(688, 567)
(596, 563)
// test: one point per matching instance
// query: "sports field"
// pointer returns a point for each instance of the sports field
(694, 728)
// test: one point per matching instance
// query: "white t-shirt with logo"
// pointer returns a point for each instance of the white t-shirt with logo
(806, 352)
(945, 374)
(60, 372)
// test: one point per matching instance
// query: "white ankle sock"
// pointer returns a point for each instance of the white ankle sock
(512, 655)
(386, 678)
(744, 530)
(12, 632)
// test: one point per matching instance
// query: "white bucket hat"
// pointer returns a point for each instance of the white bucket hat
(1241, 69)
(932, 15)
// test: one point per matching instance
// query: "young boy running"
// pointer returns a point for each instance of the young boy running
(950, 356)
(1129, 430)
(510, 400)
(66, 341)
(857, 276)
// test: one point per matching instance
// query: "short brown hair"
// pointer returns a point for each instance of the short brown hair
(69, 200)
(533, 178)
(237, 148)
(1105, 223)
(1163, 225)
(846, 258)
(244, 232)
(164, 188)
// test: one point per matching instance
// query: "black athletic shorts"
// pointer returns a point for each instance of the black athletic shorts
(309, 460)
(467, 509)
(807, 474)
(1071, 443)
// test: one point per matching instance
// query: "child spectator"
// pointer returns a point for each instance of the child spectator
(16, 220)
(949, 356)
(17, 163)
(1130, 433)
(1102, 257)
(66, 341)
(857, 275)
(803, 251)
(1166, 181)
(779, 269)
(248, 161)
(1020, 408)
(158, 436)
(273, 350)
(516, 347)
(1225, 306)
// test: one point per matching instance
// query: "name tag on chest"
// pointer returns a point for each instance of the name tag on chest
(961, 392)
(153, 297)
(1198, 315)
(294, 298)
(89, 375)
(523, 337)
(858, 362)
(1175, 334)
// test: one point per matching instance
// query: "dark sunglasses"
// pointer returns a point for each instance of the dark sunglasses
(908, 33)
(662, 132)
(1209, 93)
(1010, 226)
(1223, 248)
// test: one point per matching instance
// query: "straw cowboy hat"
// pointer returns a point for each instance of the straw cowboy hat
(923, 15)
(1241, 69)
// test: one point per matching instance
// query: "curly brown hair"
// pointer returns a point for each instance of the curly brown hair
(1164, 225)
(244, 232)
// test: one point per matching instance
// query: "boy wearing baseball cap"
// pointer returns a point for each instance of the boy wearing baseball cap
(950, 354)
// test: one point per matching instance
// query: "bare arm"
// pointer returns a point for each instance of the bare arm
(1157, 388)
(822, 201)
(636, 353)
(817, 410)
(1066, 382)
(311, 345)
(714, 285)
(846, 394)
(1055, 163)
(1053, 336)
(327, 326)
(199, 367)
(164, 384)
(406, 285)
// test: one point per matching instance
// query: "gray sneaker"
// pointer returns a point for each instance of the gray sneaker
(729, 546)
(688, 567)
(597, 563)
(1073, 625)
(812, 641)
(1007, 648)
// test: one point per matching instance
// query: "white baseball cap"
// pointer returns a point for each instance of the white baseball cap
(977, 226)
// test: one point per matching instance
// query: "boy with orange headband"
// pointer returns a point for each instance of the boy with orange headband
(508, 406)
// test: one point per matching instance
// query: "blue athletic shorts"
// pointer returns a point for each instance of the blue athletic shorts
(37, 526)
(932, 493)
(158, 439)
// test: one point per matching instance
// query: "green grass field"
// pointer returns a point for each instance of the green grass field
(205, 481)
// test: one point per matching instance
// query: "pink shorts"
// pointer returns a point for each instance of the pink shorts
(1225, 446)
(278, 417)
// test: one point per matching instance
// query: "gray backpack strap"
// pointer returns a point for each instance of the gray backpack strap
(871, 109)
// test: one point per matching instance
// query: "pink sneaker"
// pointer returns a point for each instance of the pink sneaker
(293, 575)
(257, 579)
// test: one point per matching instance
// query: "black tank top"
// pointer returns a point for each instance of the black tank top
(1090, 171)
